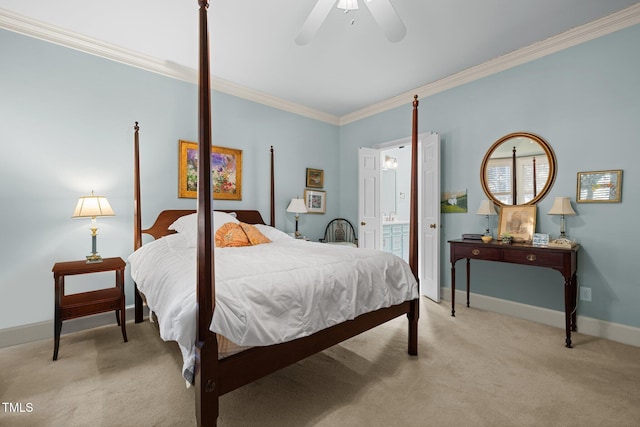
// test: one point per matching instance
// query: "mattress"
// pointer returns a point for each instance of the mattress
(269, 293)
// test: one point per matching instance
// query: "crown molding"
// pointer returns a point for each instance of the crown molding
(30, 27)
(584, 33)
(37, 29)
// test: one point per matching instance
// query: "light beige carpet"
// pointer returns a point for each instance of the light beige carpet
(477, 369)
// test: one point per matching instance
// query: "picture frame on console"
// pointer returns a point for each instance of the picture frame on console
(518, 222)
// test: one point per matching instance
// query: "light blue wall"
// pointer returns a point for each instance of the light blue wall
(67, 128)
(584, 101)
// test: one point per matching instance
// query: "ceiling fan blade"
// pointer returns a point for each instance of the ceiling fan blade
(386, 16)
(314, 21)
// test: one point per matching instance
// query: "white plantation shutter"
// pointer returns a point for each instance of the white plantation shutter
(500, 173)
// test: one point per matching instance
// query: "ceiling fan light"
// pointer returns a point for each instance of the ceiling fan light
(348, 4)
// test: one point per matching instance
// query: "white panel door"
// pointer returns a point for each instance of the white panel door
(430, 211)
(369, 217)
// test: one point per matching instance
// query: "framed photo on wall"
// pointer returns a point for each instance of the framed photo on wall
(599, 187)
(517, 221)
(226, 172)
(315, 178)
(315, 201)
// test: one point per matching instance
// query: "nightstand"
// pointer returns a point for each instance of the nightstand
(86, 303)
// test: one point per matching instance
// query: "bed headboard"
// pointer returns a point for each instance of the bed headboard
(160, 227)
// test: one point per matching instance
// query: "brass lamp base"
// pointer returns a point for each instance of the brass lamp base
(93, 258)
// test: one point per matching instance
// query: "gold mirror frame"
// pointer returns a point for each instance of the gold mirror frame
(510, 140)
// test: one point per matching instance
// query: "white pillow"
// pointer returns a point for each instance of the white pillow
(272, 233)
(187, 225)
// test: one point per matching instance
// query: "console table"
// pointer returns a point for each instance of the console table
(563, 260)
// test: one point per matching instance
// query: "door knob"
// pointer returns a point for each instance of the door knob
(432, 226)
(363, 223)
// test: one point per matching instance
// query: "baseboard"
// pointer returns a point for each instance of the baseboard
(44, 330)
(586, 325)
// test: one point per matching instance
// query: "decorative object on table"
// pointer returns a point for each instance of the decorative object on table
(487, 238)
(599, 187)
(488, 209)
(297, 206)
(315, 178)
(315, 201)
(506, 239)
(472, 236)
(453, 201)
(517, 222)
(562, 206)
(92, 207)
(226, 172)
(540, 239)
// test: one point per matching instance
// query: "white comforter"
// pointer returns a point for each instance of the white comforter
(269, 293)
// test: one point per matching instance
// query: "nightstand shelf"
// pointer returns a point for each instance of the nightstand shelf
(91, 302)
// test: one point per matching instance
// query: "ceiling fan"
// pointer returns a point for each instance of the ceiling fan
(381, 10)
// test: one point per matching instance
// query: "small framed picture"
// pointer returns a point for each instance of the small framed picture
(517, 221)
(599, 187)
(315, 201)
(540, 239)
(315, 178)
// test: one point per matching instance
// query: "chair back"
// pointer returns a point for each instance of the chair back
(340, 230)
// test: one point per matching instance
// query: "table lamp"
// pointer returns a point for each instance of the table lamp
(91, 207)
(562, 206)
(486, 208)
(297, 206)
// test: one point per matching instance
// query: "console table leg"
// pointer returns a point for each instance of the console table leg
(574, 299)
(453, 289)
(468, 279)
(569, 305)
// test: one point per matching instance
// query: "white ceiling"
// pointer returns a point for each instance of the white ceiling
(346, 67)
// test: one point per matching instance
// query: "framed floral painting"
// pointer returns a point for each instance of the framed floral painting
(315, 201)
(226, 172)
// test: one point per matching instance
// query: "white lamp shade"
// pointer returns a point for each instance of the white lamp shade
(92, 206)
(486, 208)
(297, 206)
(561, 206)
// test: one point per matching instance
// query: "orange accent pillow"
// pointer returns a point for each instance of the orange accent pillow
(254, 235)
(231, 235)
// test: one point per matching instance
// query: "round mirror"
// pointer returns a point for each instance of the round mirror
(518, 169)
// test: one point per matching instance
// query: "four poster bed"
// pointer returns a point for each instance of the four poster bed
(230, 345)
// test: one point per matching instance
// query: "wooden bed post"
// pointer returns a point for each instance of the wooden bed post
(137, 215)
(414, 313)
(206, 360)
(273, 193)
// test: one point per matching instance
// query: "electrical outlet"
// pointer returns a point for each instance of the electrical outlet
(585, 294)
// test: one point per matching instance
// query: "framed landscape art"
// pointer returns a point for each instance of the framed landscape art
(315, 178)
(226, 172)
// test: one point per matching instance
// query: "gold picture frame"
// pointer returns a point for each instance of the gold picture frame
(226, 172)
(315, 178)
(599, 186)
(315, 201)
(517, 221)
